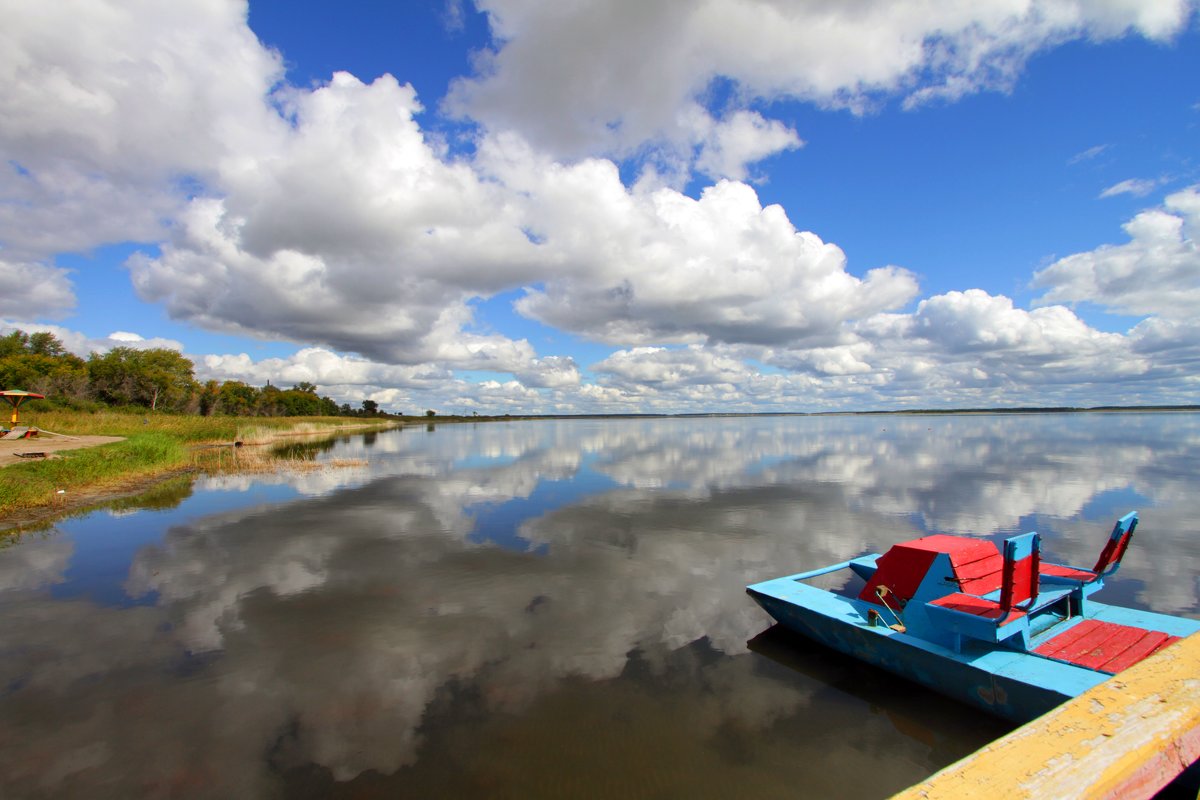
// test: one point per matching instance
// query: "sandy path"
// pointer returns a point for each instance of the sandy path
(45, 443)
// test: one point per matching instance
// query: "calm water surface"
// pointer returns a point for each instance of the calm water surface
(543, 609)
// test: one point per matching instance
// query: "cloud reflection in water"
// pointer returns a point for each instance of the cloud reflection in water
(364, 631)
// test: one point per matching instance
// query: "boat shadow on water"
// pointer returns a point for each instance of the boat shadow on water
(948, 728)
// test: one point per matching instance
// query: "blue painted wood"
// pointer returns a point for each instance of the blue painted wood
(974, 662)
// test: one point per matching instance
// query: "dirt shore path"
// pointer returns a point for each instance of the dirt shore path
(47, 444)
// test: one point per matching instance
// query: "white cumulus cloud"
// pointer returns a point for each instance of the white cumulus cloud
(611, 75)
(108, 109)
(329, 216)
(658, 266)
(1156, 273)
(33, 290)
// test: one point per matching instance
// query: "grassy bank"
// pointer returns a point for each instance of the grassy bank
(108, 467)
(185, 428)
(155, 445)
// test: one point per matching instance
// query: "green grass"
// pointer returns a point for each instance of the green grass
(189, 428)
(37, 483)
(156, 444)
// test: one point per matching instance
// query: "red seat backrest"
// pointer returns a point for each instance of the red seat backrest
(1022, 557)
(1117, 544)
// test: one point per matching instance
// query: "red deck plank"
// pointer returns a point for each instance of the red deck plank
(1148, 645)
(1113, 644)
(1104, 646)
(969, 604)
(1083, 645)
(1053, 646)
(1169, 641)
(980, 576)
(977, 565)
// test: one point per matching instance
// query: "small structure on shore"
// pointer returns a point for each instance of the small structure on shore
(16, 396)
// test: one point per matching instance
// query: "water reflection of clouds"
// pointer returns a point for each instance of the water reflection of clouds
(837, 487)
(41, 562)
(343, 619)
(976, 474)
(332, 629)
(965, 474)
(393, 607)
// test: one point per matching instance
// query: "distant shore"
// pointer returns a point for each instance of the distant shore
(881, 412)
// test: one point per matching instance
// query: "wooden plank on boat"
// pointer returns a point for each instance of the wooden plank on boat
(1125, 738)
(1146, 646)
(1105, 646)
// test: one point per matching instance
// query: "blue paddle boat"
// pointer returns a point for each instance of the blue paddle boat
(999, 629)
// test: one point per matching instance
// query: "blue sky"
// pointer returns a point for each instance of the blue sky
(615, 207)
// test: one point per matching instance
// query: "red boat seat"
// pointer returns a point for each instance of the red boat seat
(979, 606)
(1108, 562)
(976, 564)
(1068, 574)
(982, 618)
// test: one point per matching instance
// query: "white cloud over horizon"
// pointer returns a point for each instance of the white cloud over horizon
(330, 216)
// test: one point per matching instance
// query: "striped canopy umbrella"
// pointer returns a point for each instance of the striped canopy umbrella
(15, 397)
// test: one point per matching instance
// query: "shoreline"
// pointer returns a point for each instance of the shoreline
(87, 498)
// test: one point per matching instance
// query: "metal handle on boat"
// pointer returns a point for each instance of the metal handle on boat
(881, 592)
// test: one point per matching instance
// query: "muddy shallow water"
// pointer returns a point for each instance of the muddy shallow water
(543, 608)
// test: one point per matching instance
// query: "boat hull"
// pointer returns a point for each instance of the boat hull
(1016, 685)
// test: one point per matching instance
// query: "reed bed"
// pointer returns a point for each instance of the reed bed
(262, 460)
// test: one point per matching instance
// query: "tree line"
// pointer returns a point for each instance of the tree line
(154, 378)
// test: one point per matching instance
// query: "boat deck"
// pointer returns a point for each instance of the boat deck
(1104, 646)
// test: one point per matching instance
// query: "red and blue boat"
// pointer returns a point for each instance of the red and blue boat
(995, 627)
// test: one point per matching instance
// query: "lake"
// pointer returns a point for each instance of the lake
(544, 608)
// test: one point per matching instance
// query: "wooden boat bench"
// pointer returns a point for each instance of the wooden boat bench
(1108, 562)
(950, 587)
(996, 620)
(1029, 587)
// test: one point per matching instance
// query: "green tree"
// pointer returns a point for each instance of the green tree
(153, 378)
(267, 404)
(14, 343)
(296, 403)
(208, 397)
(236, 399)
(370, 407)
(40, 363)
(329, 407)
(44, 343)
